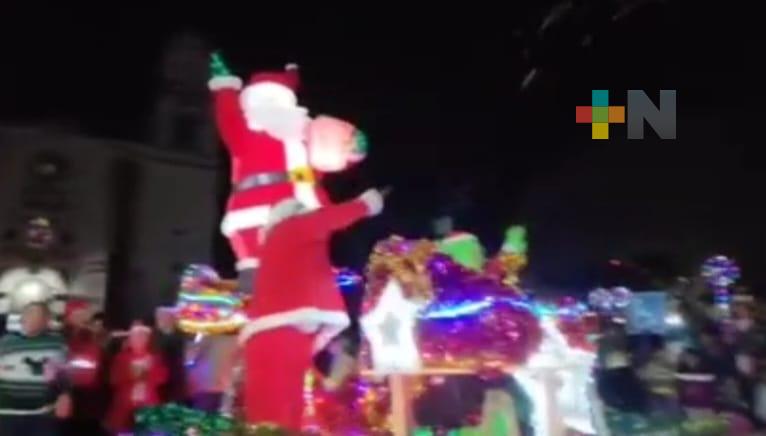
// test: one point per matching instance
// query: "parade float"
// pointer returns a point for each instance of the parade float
(432, 311)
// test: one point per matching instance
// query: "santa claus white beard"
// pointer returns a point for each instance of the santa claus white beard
(282, 123)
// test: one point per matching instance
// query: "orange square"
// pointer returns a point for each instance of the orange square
(616, 114)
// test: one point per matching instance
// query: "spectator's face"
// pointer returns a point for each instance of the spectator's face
(79, 317)
(34, 320)
(97, 325)
(139, 340)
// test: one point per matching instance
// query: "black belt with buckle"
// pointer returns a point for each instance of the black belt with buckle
(299, 175)
(261, 179)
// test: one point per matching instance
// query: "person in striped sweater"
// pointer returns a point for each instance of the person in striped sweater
(34, 391)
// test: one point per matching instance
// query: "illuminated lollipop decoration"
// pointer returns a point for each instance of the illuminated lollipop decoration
(610, 301)
(721, 273)
(207, 304)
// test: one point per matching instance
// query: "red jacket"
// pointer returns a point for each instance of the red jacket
(84, 359)
(296, 284)
(133, 391)
(254, 153)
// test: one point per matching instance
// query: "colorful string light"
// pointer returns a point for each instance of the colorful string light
(720, 273)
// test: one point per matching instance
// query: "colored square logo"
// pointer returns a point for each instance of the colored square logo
(600, 131)
(600, 114)
(600, 97)
(584, 114)
(616, 114)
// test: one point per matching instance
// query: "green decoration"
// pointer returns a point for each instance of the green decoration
(515, 240)
(217, 65)
(361, 142)
(633, 424)
(173, 419)
(465, 249)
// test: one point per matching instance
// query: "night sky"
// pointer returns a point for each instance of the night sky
(452, 129)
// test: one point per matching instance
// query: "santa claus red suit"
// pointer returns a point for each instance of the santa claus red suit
(277, 152)
(298, 308)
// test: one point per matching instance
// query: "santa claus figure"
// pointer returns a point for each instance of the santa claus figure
(298, 308)
(277, 152)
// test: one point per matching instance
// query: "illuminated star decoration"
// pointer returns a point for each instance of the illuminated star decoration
(390, 329)
(569, 368)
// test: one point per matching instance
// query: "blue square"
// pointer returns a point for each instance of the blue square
(600, 97)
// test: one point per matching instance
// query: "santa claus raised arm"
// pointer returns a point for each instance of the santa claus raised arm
(298, 308)
(277, 151)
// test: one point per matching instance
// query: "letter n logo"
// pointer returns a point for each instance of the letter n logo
(662, 119)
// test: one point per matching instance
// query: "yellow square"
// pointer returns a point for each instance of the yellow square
(600, 131)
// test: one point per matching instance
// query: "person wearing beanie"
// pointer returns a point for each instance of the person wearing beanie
(136, 376)
(298, 308)
(277, 152)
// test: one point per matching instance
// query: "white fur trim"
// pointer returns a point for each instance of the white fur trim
(242, 219)
(328, 324)
(695, 377)
(224, 82)
(249, 263)
(373, 200)
(253, 95)
(41, 411)
(139, 329)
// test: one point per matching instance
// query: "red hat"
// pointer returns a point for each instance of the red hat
(288, 78)
(73, 306)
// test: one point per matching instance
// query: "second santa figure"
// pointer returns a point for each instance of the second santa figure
(298, 308)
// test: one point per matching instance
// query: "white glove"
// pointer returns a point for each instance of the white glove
(373, 199)
(224, 82)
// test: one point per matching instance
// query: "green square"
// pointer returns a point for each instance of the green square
(599, 97)
(600, 114)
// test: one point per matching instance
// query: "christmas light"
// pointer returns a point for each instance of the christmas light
(80, 363)
(568, 405)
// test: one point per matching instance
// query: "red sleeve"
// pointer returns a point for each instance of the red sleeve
(119, 373)
(331, 218)
(229, 117)
(158, 374)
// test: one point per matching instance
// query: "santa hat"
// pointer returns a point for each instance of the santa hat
(288, 78)
(73, 306)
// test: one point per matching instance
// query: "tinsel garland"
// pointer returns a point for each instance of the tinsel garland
(635, 424)
(176, 420)
(407, 262)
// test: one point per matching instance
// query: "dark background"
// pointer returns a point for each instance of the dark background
(439, 91)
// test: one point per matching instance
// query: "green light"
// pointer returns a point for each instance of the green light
(209, 299)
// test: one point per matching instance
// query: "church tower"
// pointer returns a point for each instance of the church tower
(182, 119)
